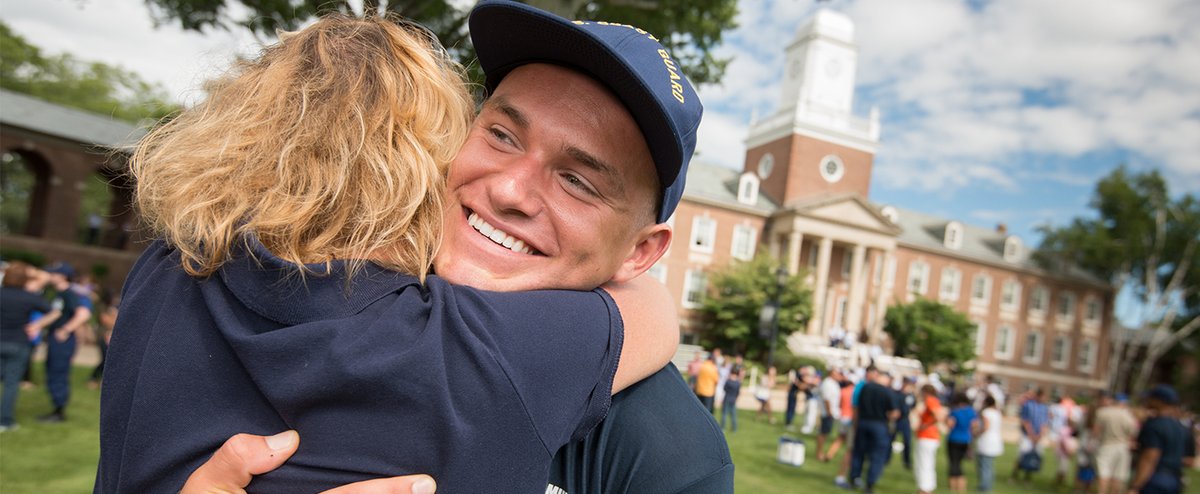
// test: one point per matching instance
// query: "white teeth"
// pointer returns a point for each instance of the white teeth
(497, 235)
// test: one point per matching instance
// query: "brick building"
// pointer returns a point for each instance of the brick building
(804, 194)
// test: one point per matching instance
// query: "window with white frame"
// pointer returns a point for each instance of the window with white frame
(1038, 299)
(1060, 352)
(658, 271)
(1012, 248)
(1010, 295)
(1004, 342)
(1033, 347)
(694, 286)
(918, 277)
(704, 234)
(814, 253)
(748, 188)
(980, 336)
(743, 242)
(981, 289)
(832, 168)
(954, 235)
(766, 165)
(1087, 355)
(949, 287)
(1092, 313)
(1065, 309)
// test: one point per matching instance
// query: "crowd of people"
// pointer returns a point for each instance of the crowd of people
(861, 416)
(54, 308)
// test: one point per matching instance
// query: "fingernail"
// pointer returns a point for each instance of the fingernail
(424, 486)
(283, 440)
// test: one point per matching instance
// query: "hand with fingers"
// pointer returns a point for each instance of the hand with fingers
(243, 456)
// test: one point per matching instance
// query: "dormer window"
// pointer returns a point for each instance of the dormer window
(748, 189)
(954, 235)
(765, 165)
(1012, 248)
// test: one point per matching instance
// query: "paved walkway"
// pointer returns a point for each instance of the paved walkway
(85, 355)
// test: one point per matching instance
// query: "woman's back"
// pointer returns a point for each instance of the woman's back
(383, 379)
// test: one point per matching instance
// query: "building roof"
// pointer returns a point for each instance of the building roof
(927, 232)
(713, 183)
(26, 112)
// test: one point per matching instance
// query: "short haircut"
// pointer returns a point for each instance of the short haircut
(334, 143)
(17, 274)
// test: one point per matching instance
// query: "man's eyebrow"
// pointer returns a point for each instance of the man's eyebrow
(501, 104)
(596, 164)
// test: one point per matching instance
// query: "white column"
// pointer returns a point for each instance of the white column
(885, 257)
(817, 324)
(857, 291)
(793, 261)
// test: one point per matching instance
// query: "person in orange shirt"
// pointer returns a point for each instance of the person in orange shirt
(930, 413)
(706, 382)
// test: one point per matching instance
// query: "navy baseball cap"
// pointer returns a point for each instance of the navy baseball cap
(61, 268)
(1164, 393)
(626, 59)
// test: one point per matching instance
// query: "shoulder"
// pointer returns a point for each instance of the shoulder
(654, 426)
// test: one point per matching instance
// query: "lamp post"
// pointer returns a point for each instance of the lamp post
(769, 317)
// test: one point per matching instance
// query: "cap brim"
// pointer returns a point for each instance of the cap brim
(509, 35)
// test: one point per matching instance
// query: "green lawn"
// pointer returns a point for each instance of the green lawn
(754, 446)
(61, 458)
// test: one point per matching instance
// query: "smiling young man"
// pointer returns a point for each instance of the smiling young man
(566, 180)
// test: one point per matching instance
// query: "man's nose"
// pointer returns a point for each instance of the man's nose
(517, 189)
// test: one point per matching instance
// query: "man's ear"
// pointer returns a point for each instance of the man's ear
(652, 243)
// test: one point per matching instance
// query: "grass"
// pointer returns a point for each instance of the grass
(755, 443)
(61, 458)
(38, 458)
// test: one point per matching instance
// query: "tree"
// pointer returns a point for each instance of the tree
(1138, 239)
(62, 79)
(690, 29)
(737, 293)
(931, 332)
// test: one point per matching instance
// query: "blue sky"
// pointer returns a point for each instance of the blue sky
(991, 111)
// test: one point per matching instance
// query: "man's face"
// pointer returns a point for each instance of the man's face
(554, 188)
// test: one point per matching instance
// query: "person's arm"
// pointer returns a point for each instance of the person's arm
(1147, 459)
(651, 328)
(41, 323)
(78, 320)
(979, 426)
(244, 455)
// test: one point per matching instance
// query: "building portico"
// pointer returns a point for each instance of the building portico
(864, 238)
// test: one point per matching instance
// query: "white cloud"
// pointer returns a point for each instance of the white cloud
(969, 94)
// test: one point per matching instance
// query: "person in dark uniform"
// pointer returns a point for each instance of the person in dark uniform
(905, 401)
(1164, 446)
(61, 339)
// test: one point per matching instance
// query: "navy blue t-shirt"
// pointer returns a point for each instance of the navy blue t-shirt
(381, 377)
(68, 302)
(658, 438)
(874, 402)
(1167, 435)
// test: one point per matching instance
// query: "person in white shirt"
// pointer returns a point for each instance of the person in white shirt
(830, 404)
(989, 445)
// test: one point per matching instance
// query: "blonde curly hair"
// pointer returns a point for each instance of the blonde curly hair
(333, 144)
